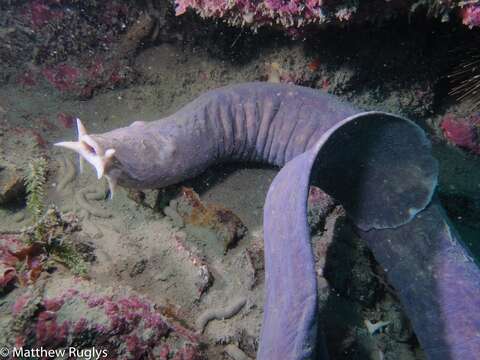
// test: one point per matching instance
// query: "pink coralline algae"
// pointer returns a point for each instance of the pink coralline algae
(82, 81)
(294, 14)
(126, 327)
(63, 77)
(462, 132)
(40, 13)
(188, 352)
(471, 15)
(288, 14)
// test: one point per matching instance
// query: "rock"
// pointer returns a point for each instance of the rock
(12, 186)
(227, 227)
(67, 312)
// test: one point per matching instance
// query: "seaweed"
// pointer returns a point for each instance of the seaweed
(35, 184)
(66, 254)
(50, 229)
(56, 242)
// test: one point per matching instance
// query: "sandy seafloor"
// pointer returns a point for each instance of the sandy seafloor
(134, 246)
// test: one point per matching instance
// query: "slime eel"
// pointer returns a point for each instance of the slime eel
(377, 165)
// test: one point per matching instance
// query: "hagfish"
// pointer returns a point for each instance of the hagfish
(378, 165)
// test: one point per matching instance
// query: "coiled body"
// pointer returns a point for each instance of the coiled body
(379, 166)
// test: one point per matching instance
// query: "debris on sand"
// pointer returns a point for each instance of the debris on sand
(203, 276)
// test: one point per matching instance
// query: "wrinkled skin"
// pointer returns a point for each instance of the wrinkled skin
(379, 166)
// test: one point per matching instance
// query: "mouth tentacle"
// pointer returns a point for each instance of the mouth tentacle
(90, 150)
(81, 131)
(112, 185)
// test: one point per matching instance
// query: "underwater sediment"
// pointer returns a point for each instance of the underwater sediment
(189, 253)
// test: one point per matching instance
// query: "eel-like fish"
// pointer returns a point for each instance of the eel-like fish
(378, 165)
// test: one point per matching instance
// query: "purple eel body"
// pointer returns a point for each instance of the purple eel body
(377, 165)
